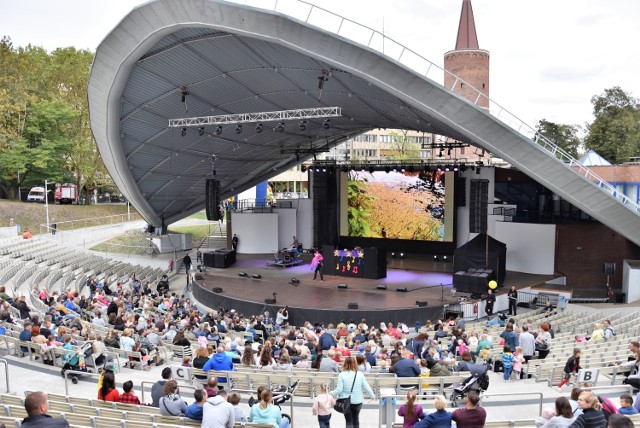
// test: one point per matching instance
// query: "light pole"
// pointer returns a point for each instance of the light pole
(46, 203)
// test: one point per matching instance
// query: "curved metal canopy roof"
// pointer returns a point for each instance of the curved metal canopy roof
(237, 59)
(231, 59)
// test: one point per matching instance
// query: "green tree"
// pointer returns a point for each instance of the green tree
(564, 136)
(403, 148)
(615, 132)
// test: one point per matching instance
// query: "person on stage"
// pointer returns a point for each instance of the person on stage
(513, 300)
(317, 263)
(491, 299)
(234, 242)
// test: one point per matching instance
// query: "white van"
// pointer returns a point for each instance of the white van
(36, 194)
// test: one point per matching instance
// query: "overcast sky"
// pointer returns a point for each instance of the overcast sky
(548, 57)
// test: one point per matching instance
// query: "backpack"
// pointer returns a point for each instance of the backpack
(608, 408)
(613, 333)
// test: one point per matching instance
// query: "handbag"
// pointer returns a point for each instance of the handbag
(343, 405)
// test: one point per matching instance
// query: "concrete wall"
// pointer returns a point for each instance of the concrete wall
(631, 280)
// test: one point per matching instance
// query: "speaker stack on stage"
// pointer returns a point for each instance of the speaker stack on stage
(212, 200)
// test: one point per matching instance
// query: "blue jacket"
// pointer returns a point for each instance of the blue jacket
(406, 368)
(220, 362)
(326, 341)
(343, 390)
(437, 419)
(511, 339)
(194, 411)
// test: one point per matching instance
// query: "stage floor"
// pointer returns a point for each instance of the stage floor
(425, 279)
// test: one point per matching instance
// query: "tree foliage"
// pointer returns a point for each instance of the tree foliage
(44, 125)
(564, 136)
(615, 132)
(403, 148)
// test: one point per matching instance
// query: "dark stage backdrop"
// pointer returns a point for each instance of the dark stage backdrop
(297, 316)
(476, 253)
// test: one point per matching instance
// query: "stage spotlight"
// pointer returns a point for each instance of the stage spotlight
(441, 152)
(463, 167)
(303, 168)
(201, 131)
(238, 128)
(280, 127)
(449, 151)
(326, 124)
(402, 255)
(482, 154)
(439, 168)
(303, 125)
(444, 258)
(183, 132)
(478, 169)
(259, 128)
(317, 169)
(219, 130)
(324, 169)
(446, 168)
(435, 258)
(393, 255)
(371, 170)
(455, 167)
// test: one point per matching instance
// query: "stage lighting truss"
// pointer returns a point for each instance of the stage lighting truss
(269, 116)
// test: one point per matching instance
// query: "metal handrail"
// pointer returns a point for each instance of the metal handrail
(409, 58)
(6, 372)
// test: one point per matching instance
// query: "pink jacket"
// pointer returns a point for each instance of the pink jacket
(323, 404)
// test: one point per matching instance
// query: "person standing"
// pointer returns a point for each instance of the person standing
(317, 264)
(187, 265)
(234, 242)
(571, 367)
(513, 300)
(352, 383)
(490, 299)
(528, 343)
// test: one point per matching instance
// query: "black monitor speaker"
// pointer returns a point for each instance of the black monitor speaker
(256, 276)
(217, 290)
(343, 286)
(243, 274)
(421, 304)
(294, 281)
(381, 287)
(270, 301)
(353, 306)
(198, 277)
(402, 289)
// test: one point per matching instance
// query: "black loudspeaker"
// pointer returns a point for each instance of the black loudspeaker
(198, 277)
(402, 289)
(609, 269)
(212, 200)
(294, 281)
(461, 191)
(353, 306)
(421, 304)
(217, 290)
(270, 301)
(381, 287)
(256, 276)
(243, 274)
(343, 286)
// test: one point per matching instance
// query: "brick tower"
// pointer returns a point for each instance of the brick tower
(468, 61)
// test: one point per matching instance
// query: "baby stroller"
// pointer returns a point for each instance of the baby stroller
(478, 381)
(280, 396)
(76, 361)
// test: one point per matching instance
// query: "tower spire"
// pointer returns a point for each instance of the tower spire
(467, 36)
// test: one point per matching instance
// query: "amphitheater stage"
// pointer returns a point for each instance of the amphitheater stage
(426, 281)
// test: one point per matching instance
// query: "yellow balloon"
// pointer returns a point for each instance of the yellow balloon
(493, 284)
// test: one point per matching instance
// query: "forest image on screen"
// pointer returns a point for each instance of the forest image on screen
(396, 205)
